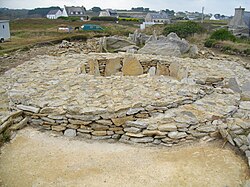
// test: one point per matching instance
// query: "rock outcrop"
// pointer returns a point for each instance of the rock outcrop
(171, 45)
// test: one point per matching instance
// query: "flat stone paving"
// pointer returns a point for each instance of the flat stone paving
(40, 159)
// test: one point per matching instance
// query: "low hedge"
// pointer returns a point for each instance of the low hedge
(104, 19)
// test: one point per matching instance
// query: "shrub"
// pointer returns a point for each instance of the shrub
(247, 51)
(129, 19)
(210, 43)
(69, 18)
(183, 29)
(104, 19)
(223, 34)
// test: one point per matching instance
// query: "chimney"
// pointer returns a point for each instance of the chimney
(238, 19)
(239, 12)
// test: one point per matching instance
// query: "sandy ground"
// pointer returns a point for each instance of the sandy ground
(40, 159)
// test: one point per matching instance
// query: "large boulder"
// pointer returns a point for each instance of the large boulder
(160, 48)
(182, 43)
(171, 45)
(115, 43)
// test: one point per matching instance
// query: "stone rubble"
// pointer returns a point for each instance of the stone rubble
(167, 101)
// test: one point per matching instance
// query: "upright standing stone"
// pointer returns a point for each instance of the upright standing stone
(174, 68)
(152, 71)
(113, 66)
(131, 66)
(94, 67)
(233, 85)
(162, 70)
(245, 95)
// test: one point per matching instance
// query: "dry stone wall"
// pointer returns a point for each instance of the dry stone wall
(188, 100)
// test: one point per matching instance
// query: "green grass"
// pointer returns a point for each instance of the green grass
(29, 32)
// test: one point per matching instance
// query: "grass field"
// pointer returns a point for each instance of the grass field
(28, 32)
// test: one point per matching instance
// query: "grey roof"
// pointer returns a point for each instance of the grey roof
(53, 12)
(70, 9)
(112, 12)
(3, 21)
(158, 15)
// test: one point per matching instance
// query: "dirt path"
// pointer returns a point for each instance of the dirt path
(39, 159)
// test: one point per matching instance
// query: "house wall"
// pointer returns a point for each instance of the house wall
(104, 14)
(4, 30)
(64, 13)
(161, 20)
(148, 18)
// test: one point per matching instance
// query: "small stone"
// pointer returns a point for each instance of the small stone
(99, 133)
(73, 126)
(76, 122)
(132, 111)
(132, 130)
(84, 135)
(238, 141)
(152, 71)
(121, 121)
(58, 128)
(101, 137)
(153, 133)
(138, 135)
(87, 130)
(116, 136)
(207, 128)
(177, 135)
(104, 122)
(20, 125)
(6, 125)
(28, 108)
(167, 127)
(245, 105)
(99, 127)
(137, 124)
(70, 132)
(142, 140)
(110, 133)
(157, 141)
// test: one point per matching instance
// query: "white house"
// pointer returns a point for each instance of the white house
(108, 13)
(75, 11)
(160, 17)
(68, 11)
(4, 30)
(54, 14)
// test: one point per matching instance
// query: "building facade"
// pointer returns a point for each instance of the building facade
(108, 13)
(4, 30)
(160, 17)
(54, 14)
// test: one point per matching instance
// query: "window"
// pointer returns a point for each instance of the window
(3, 26)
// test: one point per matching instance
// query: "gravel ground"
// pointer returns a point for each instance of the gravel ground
(42, 159)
